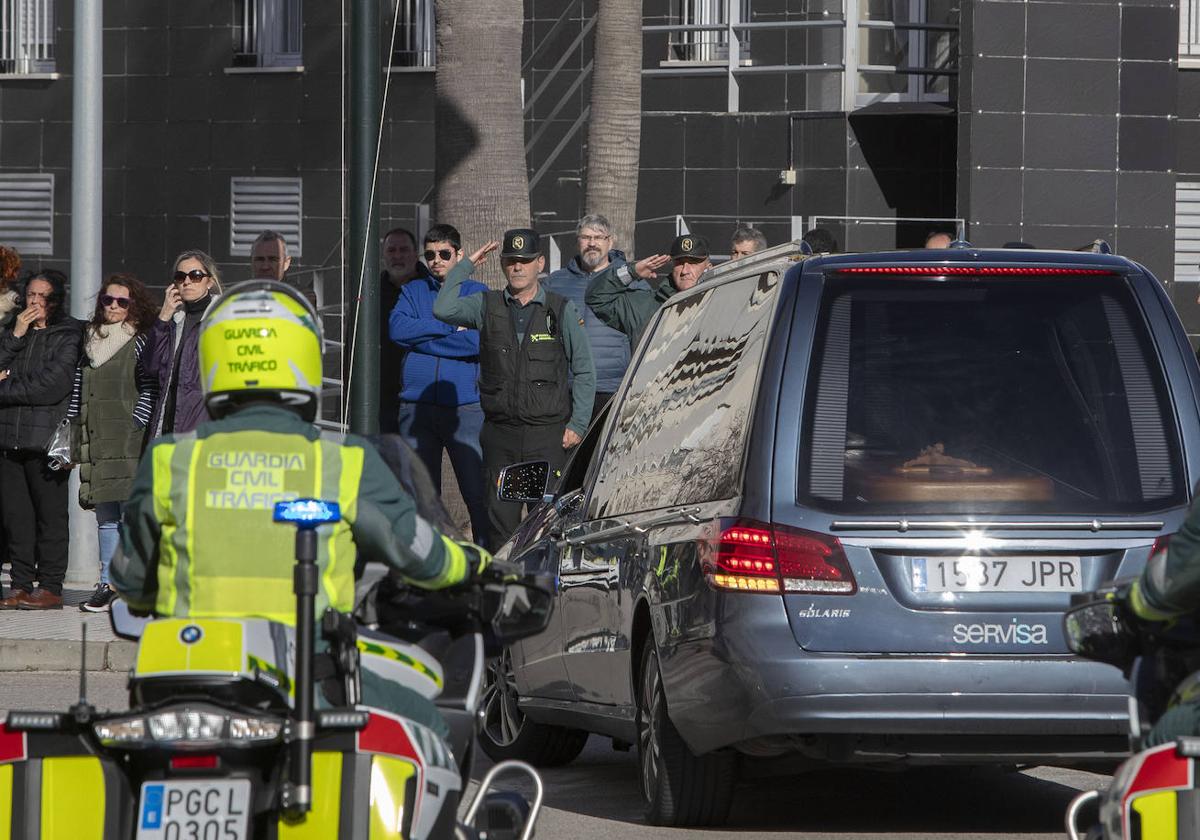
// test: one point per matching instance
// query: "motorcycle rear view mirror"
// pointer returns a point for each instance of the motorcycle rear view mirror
(1097, 631)
(524, 609)
(124, 623)
(524, 482)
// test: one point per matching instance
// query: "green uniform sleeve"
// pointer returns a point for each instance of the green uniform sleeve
(583, 369)
(388, 529)
(134, 569)
(449, 306)
(1170, 584)
(619, 304)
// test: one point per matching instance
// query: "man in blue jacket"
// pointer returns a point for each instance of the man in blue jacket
(439, 390)
(610, 348)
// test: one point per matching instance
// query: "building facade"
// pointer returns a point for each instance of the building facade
(1052, 123)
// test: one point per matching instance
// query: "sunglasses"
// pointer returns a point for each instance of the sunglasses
(109, 300)
(445, 254)
(193, 276)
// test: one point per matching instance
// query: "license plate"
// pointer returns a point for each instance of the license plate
(211, 809)
(997, 574)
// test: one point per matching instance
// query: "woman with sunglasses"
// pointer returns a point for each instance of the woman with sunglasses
(37, 368)
(111, 405)
(174, 344)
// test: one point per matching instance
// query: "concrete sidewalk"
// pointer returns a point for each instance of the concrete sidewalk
(51, 640)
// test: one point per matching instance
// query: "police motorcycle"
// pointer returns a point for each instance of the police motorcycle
(1155, 794)
(223, 740)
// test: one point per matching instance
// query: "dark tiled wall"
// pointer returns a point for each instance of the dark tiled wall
(1066, 125)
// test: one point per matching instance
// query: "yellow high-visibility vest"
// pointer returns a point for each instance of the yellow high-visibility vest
(220, 553)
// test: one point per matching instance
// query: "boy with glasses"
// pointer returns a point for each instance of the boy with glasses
(438, 388)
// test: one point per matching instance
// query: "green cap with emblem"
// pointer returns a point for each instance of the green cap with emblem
(689, 246)
(521, 244)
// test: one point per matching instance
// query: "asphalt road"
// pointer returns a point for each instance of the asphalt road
(596, 797)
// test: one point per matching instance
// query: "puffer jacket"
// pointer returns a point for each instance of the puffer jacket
(160, 362)
(610, 348)
(34, 395)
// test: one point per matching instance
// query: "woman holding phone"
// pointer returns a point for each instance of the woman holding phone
(173, 355)
(37, 369)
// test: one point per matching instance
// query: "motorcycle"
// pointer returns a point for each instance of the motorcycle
(224, 741)
(1155, 794)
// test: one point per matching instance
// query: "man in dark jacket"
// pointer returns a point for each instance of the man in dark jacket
(610, 348)
(37, 370)
(400, 264)
(619, 301)
(439, 393)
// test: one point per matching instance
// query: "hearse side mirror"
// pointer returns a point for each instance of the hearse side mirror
(525, 482)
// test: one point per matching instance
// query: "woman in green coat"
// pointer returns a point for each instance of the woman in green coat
(111, 406)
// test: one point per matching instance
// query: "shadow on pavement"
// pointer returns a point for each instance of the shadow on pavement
(603, 784)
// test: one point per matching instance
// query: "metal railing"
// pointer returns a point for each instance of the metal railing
(1189, 29)
(269, 34)
(704, 45)
(26, 37)
(905, 57)
(416, 35)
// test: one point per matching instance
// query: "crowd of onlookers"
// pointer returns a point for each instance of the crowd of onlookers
(128, 374)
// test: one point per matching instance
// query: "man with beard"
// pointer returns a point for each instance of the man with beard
(610, 348)
(617, 300)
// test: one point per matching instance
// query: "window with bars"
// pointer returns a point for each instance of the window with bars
(1189, 32)
(706, 44)
(907, 50)
(258, 204)
(27, 37)
(416, 34)
(268, 33)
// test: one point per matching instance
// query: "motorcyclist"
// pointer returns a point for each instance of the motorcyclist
(198, 537)
(1169, 589)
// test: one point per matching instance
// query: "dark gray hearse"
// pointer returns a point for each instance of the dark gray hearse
(836, 512)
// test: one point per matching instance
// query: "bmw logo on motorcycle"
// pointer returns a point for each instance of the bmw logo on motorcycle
(190, 634)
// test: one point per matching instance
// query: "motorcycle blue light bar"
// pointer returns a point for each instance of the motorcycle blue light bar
(307, 512)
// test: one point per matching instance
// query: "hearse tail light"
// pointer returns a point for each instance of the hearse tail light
(751, 556)
(978, 271)
(813, 563)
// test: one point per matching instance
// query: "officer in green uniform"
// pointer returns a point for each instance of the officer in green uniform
(1168, 589)
(625, 307)
(529, 338)
(199, 539)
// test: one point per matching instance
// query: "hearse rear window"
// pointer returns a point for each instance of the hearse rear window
(986, 394)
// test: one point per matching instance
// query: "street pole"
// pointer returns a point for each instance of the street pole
(363, 293)
(87, 207)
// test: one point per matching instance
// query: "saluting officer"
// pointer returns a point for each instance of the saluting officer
(528, 339)
(620, 304)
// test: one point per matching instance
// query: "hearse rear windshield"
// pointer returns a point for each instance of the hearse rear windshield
(986, 394)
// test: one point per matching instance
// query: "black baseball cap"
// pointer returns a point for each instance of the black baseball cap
(689, 246)
(521, 244)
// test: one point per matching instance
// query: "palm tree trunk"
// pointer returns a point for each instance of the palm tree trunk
(481, 175)
(615, 124)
